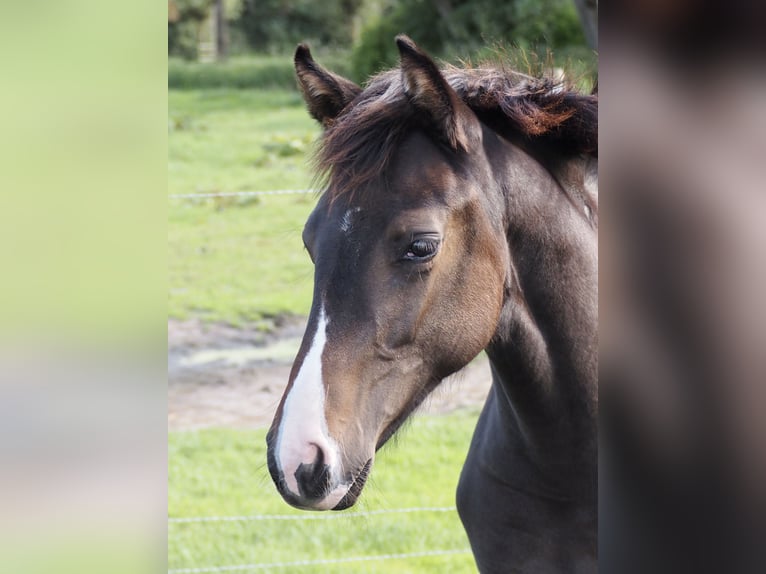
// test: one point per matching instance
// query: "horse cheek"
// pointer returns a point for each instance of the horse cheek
(468, 320)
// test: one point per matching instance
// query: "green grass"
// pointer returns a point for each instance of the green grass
(253, 71)
(238, 259)
(223, 472)
(248, 72)
(231, 140)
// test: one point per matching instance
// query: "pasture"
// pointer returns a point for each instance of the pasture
(223, 473)
(238, 259)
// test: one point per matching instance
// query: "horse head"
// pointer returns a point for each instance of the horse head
(411, 270)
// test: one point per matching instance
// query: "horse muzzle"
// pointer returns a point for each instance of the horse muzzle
(311, 477)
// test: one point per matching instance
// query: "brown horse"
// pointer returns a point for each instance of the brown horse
(460, 215)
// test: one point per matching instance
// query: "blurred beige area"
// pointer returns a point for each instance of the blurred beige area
(683, 315)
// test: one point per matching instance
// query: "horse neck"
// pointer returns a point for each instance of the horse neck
(544, 352)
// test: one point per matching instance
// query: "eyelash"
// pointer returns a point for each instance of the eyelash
(422, 249)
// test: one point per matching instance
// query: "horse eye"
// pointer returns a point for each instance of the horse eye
(422, 249)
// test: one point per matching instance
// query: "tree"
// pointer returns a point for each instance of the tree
(221, 31)
(183, 28)
(588, 11)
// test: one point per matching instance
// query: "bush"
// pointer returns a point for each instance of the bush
(553, 23)
(182, 39)
(278, 25)
(376, 49)
(253, 72)
(183, 35)
(466, 27)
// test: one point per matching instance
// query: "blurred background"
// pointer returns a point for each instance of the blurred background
(355, 36)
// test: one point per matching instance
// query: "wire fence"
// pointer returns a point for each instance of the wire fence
(313, 516)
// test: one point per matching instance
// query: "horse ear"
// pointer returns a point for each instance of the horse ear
(326, 94)
(429, 92)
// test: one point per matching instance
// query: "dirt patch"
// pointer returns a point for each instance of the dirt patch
(224, 376)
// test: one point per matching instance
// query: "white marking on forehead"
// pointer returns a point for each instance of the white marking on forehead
(348, 219)
(303, 422)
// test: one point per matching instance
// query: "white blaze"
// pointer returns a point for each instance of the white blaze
(303, 428)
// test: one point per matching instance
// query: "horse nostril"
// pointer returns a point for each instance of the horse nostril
(313, 478)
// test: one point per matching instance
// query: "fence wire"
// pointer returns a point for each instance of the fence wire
(335, 516)
(319, 562)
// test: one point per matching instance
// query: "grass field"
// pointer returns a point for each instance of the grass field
(223, 472)
(238, 259)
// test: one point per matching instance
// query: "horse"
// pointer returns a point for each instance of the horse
(459, 214)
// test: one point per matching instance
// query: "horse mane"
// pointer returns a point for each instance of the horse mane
(541, 113)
